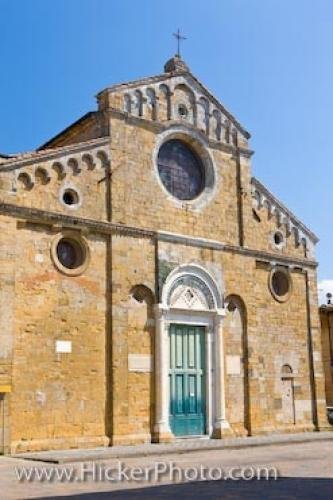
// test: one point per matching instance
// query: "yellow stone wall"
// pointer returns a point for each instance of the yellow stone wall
(143, 202)
(96, 395)
(58, 399)
(7, 333)
(79, 169)
(133, 263)
(259, 233)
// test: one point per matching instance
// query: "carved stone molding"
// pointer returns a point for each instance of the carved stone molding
(43, 170)
(263, 199)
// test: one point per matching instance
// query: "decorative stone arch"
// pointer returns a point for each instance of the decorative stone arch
(278, 217)
(73, 164)
(268, 206)
(191, 296)
(184, 95)
(286, 371)
(164, 97)
(42, 176)
(27, 180)
(197, 141)
(304, 245)
(103, 158)
(60, 170)
(227, 130)
(238, 362)
(217, 124)
(203, 114)
(234, 136)
(142, 293)
(297, 237)
(151, 103)
(196, 277)
(138, 102)
(88, 160)
(127, 103)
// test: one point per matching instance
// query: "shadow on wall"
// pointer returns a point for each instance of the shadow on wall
(305, 488)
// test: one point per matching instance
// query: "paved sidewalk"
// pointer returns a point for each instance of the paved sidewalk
(179, 446)
(304, 472)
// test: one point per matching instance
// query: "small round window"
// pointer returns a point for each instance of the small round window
(70, 254)
(70, 197)
(278, 239)
(182, 111)
(280, 284)
(181, 170)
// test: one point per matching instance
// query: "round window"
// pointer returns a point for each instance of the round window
(70, 254)
(280, 284)
(182, 111)
(278, 238)
(181, 171)
(70, 197)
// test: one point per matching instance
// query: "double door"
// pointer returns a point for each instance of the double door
(187, 380)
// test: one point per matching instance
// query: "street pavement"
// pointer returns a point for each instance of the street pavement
(304, 470)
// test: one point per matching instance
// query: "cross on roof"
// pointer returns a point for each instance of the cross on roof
(179, 37)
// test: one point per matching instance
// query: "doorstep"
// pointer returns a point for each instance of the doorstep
(177, 446)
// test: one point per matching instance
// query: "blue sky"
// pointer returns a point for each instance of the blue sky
(268, 61)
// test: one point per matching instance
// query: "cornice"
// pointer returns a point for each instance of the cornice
(80, 223)
(278, 206)
(49, 154)
(216, 245)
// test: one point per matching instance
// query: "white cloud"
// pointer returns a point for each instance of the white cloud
(324, 287)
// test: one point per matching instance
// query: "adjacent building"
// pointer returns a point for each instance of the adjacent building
(326, 317)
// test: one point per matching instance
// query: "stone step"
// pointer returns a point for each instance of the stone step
(178, 446)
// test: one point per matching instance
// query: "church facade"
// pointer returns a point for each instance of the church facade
(150, 287)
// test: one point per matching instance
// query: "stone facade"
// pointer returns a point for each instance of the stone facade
(84, 351)
(326, 318)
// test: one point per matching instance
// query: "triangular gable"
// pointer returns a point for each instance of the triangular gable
(176, 96)
(191, 80)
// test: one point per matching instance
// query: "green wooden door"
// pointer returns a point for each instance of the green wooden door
(187, 380)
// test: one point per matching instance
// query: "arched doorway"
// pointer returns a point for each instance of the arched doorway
(189, 356)
(287, 395)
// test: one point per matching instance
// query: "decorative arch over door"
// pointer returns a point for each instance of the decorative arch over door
(196, 278)
(191, 297)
